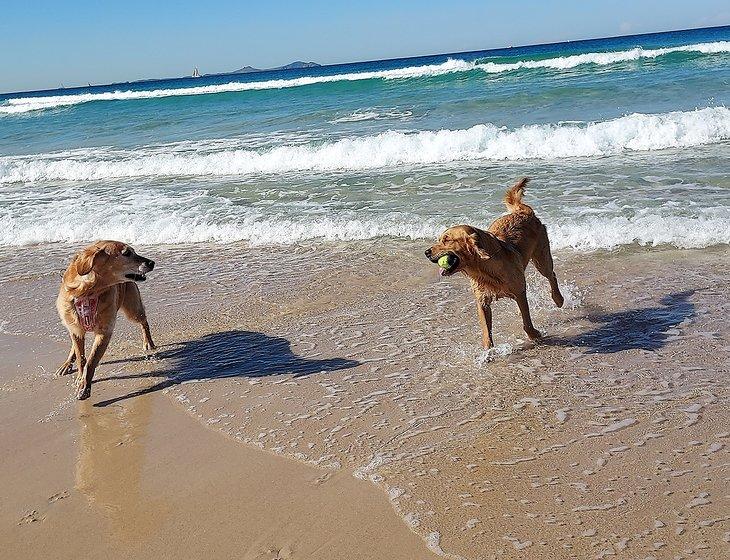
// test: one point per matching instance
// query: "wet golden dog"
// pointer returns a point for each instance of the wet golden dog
(495, 260)
(99, 282)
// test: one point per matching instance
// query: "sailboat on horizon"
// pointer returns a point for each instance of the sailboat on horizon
(196, 73)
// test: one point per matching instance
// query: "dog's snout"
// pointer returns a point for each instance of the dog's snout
(150, 264)
(428, 253)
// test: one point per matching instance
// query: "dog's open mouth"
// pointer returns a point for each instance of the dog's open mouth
(140, 275)
(448, 263)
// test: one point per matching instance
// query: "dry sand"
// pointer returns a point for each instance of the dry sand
(608, 439)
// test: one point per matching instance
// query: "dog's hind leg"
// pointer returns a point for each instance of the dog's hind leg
(530, 329)
(134, 310)
(543, 261)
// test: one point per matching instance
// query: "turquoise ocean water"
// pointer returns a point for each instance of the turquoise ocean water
(627, 141)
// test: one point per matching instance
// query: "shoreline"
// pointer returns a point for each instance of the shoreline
(339, 365)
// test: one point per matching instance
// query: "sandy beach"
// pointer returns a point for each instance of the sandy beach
(347, 411)
(144, 480)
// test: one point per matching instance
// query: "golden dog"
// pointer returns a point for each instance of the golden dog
(495, 260)
(98, 283)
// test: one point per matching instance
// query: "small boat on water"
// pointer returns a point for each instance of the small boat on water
(196, 73)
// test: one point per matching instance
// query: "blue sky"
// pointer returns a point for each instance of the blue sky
(46, 43)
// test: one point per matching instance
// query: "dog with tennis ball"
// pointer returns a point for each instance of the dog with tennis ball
(495, 260)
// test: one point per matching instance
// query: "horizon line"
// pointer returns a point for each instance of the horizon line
(327, 65)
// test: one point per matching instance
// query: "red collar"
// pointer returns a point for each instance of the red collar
(86, 311)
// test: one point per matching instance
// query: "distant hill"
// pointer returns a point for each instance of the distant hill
(297, 64)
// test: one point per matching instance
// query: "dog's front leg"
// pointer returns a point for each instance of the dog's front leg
(83, 390)
(484, 309)
(530, 329)
(78, 343)
(67, 366)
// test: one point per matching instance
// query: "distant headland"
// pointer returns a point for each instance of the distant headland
(297, 64)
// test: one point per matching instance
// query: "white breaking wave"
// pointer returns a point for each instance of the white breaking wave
(648, 229)
(160, 223)
(26, 104)
(158, 219)
(635, 133)
(150, 214)
(605, 58)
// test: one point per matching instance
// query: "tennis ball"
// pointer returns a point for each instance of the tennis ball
(444, 262)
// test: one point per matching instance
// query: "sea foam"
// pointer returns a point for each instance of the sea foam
(152, 217)
(631, 133)
(25, 104)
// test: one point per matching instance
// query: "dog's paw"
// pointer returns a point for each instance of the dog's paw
(83, 392)
(558, 299)
(534, 334)
(65, 369)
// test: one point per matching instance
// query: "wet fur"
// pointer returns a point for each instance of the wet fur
(495, 259)
(100, 269)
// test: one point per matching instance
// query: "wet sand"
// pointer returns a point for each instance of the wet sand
(143, 479)
(608, 438)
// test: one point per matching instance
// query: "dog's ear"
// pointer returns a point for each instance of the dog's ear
(87, 259)
(483, 244)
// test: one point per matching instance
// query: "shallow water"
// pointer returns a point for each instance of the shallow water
(608, 436)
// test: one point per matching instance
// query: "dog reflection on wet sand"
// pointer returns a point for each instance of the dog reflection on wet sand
(110, 470)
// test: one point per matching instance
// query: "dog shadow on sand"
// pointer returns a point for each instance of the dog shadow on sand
(633, 329)
(227, 354)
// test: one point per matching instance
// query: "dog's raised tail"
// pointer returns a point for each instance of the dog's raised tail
(513, 197)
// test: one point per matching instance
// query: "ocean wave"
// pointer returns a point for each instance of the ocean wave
(603, 58)
(634, 133)
(177, 226)
(155, 219)
(25, 104)
(646, 229)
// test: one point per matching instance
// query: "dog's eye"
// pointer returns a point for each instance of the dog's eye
(126, 252)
